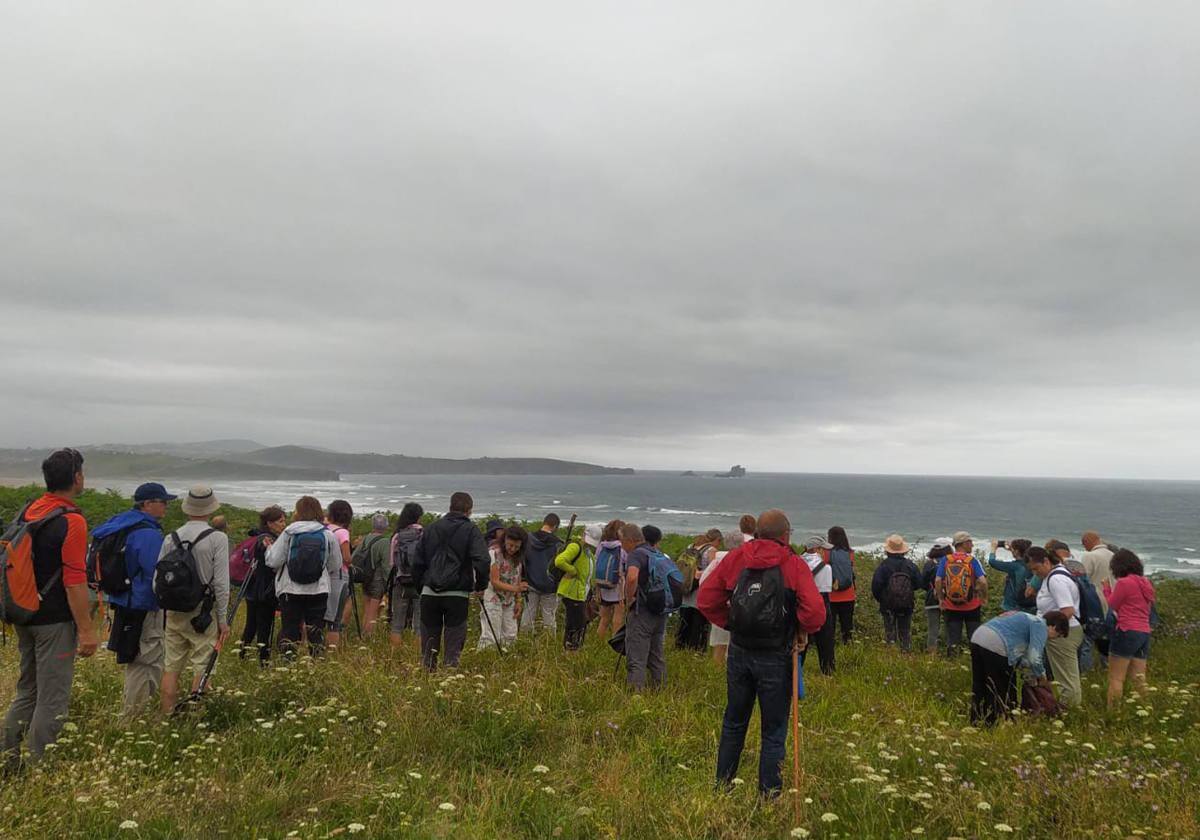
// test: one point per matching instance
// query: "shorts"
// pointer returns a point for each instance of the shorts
(184, 645)
(376, 586)
(1129, 644)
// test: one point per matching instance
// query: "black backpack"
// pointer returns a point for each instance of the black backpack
(445, 571)
(898, 595)
(306, 557)
(106, 567)
(404, 551)
(362, 567)
(762, 610)
(177, 583)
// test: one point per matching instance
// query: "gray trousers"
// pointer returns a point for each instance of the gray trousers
(143, 675)
(933, 628)
(43, 689)
(547, 605)
(644, 649)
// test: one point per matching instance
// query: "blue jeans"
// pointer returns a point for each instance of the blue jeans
(767, 677)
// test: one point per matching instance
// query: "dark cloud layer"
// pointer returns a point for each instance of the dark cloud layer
(890, 237)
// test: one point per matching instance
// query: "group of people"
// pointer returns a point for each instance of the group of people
(746, 594)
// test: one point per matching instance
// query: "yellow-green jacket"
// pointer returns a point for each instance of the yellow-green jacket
(576, 566)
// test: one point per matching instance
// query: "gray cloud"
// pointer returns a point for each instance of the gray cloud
(894, 237)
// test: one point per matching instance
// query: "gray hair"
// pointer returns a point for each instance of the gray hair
(734, 539)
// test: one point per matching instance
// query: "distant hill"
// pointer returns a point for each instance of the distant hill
(109, 463)
(196, 449)
(370, 463)
(232, 460)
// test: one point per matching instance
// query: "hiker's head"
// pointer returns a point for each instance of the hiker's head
(1040, 561)
(219, 523)
(515, 538)
(964, 543)
(941, 547)
(272, 519)
(340, 513)
(63, 472)
(774, 525)
(1124, 562)
(410, 515)
(1090, 540)
(838, 539)
(379, 523)
(151, 499)
(748, 525)
(493, 530)
(308, 509)
(612, 531)
(631, 536)
(652, 535)
(734, 539)
(551, 522)
(1057, 624)
(462, 503)
(1059, 549)
(1018, 547)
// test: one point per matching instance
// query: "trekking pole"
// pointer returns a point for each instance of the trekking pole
(571, 527)
(492, 627)
(796, 771)
(354, 607)
(196, 695)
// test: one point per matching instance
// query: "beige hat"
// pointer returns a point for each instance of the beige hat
(200, 501)
(963, 537)
(895, 544)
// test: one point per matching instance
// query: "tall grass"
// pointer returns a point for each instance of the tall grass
(545, 744)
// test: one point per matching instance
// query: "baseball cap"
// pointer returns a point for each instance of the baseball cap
(813, 543)
(961, 537)
(492, 527)
(152, 491)
(592, 535)
(943, 542)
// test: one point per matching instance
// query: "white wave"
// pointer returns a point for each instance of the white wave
(1191, 561)
(693, 512)
(522, 504)
(633, 507)
(393, 501)
(556, 502)
(1185, 548)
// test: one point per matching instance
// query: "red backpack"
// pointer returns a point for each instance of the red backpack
(241, 559)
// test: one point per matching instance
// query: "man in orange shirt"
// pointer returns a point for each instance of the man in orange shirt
(62, 626)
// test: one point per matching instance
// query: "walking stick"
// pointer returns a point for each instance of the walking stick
(571, 527)
(492, 627)
(796, 771)
(198, 694)
(354, 606)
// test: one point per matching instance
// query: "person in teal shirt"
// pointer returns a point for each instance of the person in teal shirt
(1016, 577)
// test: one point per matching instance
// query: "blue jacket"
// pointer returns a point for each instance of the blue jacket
(1024, 637)
(1016, 578)
(141, 556)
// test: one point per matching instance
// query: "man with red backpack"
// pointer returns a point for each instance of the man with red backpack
(50, 561)
(962, 589)
(764, 594)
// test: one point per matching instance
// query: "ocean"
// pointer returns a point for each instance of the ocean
(1157, 519)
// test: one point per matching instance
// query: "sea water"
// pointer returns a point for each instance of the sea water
(1158, 519)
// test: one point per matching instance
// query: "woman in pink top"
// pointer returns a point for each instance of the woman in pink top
(1131, 600)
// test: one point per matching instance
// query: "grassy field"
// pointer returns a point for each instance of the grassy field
(540, 744)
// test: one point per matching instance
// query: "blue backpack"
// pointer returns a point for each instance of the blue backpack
(1091, 612)
(663, 591)
(608, 567)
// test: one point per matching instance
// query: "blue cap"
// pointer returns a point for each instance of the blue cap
(152, 491)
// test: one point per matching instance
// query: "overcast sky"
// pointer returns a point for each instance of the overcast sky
(871, 237)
